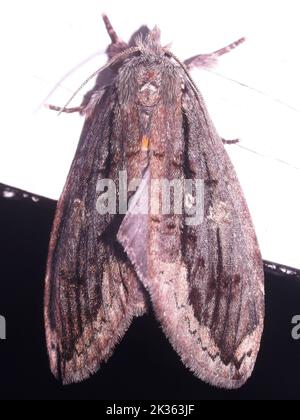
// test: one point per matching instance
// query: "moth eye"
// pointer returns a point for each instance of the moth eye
(182, 86)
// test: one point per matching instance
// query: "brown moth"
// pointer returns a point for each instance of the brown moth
(205, 281)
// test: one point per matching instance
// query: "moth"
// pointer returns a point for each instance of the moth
(204, 281)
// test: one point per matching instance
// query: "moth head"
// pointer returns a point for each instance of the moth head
(147, 40)
(142, 70)
(147, 80)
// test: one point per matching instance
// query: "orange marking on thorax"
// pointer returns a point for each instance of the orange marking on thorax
(145, 143)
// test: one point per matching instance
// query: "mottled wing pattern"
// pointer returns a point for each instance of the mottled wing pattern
(92, 292)
(206, 282)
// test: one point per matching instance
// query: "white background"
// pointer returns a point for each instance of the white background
(42, 40)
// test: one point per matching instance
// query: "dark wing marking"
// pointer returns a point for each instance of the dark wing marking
(206, 282)
(92, 292)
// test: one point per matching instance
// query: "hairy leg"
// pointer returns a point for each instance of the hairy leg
(117, 44)
(235, 141)
(66, 110)
(210, 60)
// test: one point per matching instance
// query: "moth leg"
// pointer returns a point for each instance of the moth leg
(66, 110)
(210, 60)
(117, 44)
(235, 141)
(110, 30)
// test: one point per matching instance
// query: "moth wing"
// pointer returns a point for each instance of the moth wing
(92, 292)
(207, 283)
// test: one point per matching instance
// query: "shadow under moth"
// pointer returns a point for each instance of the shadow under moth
(205, 281)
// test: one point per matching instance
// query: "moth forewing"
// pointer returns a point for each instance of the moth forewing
(205, 279)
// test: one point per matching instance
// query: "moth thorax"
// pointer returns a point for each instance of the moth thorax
(149, 82)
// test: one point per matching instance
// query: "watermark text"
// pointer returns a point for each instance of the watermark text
(296, 329)
(154, 197)
(2, 328)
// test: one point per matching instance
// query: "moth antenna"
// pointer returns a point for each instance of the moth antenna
(69, 73)
(185, 69)
(195, 89)
(258, 91)
(283, 162)
(113, 61)
(110, 30)
(114, 38)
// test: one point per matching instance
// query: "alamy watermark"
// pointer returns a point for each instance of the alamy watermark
(296, 329)
(2, 328)
(154, 197)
